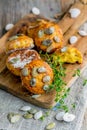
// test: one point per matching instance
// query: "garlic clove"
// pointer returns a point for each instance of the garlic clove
(68, 117)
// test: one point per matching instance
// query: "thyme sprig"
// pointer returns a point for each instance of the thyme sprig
(59, 73)
(84, 82)
(77, 73)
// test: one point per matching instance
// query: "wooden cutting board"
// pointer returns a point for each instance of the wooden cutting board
(69, 26)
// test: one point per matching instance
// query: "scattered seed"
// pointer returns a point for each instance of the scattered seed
(50, 126)
(41, 69)
(33, 82)
(68, 117)
(49, 49)
(14, 60)
(28, 116)
(25, 72)
(46, 87)
(56, 39)
(36, 96)
(25, 108)
(47, 42)
(40, 33)
(34, 71)
(38, 115)
(32, 111)
(19, 34)
(64, 49)
(9, 26)
(73, 39)
(13, 118)
(75, 12)
(35, 11)
(59, 116)
(13, 38)
(49, 30)
(82, 33)
(46, 79)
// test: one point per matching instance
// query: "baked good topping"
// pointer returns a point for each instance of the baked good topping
(46, 79)
(46, 87)
(49, 30)
(25, 72)
(47, 42)
(36, 80)
(32, 82)
(18, 59)
(41, 69)
(19, 42)
(45, 34)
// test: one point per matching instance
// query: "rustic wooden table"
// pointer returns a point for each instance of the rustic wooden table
(10, 12)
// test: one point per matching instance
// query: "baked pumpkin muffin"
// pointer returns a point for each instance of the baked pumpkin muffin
(37, 76)
(47, 35)
(69, 55)
(33, 27)
(18, 59)
(19, 42)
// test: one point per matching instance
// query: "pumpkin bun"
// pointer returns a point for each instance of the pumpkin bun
(18, 59)
(47, 35)
(19, 42)
(37, 76)
(69, 55)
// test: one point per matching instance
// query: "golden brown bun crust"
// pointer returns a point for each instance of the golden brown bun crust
(19, 43)
(18, 57)
(38, 88)
(43, 26)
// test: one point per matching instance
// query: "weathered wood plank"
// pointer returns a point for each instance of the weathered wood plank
(12, 11)
(15, 87)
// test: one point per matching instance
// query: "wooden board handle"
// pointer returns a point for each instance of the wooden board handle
(65, 4)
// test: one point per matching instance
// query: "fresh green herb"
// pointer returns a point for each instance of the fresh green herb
(42, 118)
(77, 73)
(73, 105)
(45, 115)
(63, 107)
(84, 82)
(58, 83)
(61, 101)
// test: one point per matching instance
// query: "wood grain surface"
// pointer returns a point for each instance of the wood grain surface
(15, 87)
(12, 11)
